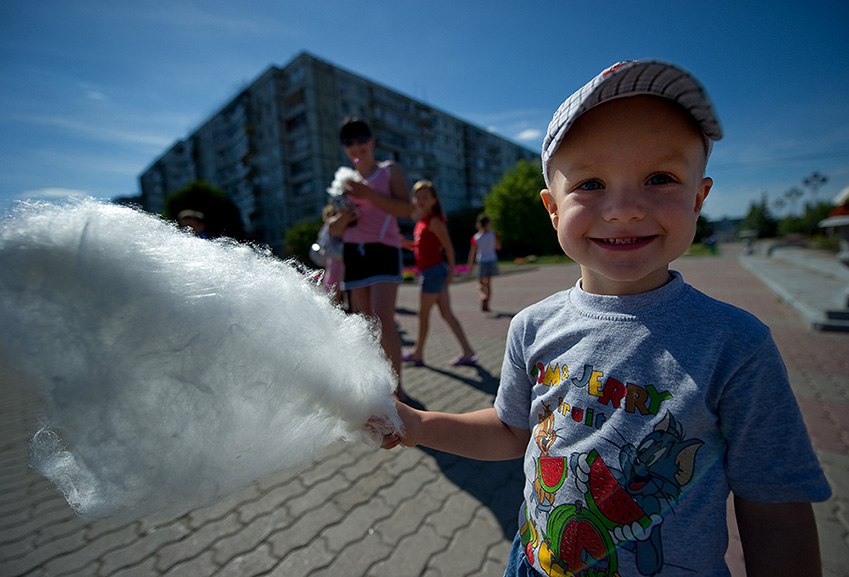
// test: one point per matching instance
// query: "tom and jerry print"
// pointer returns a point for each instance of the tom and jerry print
(615, 505)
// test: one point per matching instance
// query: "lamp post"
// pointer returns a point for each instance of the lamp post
(814, 182)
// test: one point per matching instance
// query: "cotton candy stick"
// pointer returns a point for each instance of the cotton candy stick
(175, 369)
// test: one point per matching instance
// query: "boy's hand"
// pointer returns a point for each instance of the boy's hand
(410, 424)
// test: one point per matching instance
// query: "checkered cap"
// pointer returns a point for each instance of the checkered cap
(631, 78)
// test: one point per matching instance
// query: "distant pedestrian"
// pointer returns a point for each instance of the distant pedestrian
(330, 254)
(193, 220)
(435, 261)
(483, 251)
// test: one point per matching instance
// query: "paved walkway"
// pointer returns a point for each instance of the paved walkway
(362, 512)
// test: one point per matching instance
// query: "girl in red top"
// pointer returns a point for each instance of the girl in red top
(430, 241)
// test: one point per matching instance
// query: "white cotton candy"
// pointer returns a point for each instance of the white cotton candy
(175, 369)
(343, 175)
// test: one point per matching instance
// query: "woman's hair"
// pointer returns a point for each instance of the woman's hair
(437, 207)
(482, 221)
(352, 127)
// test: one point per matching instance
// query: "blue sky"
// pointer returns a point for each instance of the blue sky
(93, 91)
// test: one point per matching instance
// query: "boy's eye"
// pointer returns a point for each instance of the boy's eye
(659, 179)
(589, 185)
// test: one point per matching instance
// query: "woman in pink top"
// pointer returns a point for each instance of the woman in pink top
(372, 251)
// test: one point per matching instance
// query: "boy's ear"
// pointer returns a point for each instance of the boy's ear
(550, 206)
(701, 194)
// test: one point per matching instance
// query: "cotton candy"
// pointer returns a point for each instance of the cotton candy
(175, 369)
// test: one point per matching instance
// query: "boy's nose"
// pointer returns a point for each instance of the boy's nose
(623, 204)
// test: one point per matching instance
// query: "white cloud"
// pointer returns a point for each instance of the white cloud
(112, 134)
(530, 134)
(52, 194)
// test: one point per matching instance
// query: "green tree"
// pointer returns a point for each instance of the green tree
(808, 223)
(220, 213)
(703, 229)
(518, 215)
(461, 227)
(300, 238)
(759, 219)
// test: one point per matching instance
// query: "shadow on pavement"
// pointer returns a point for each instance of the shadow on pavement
(484, 382)
(497, 485)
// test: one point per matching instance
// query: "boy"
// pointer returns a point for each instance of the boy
(638, 402)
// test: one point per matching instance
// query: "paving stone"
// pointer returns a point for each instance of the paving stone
(144, 569)
(411, 555)
(274, 498)
(363, 490)
(356, 559)
(59, 529)
(365, 464)
(196, 567)
(257, 562)
(306, 529)
(357, 524)
(316, 495)
(196, 542)
(408, 485)
(140, 549)
(308, 561)
(456, 512)
(70, 548)
(250, 535)
(406, 519)
(224, 506)
(466, 553)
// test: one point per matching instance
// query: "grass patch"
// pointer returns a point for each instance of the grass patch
(698, 249)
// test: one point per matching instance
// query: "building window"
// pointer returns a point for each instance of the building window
(297, 122)
(302, 167)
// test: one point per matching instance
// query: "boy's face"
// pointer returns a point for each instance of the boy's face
(627, 187)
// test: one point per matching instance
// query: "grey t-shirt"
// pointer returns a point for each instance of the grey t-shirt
(645, 410)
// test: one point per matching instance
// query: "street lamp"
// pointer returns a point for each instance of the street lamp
(814, 182)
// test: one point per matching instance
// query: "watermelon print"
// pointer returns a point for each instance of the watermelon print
(607, 497)
(551, 472)
(580, 541)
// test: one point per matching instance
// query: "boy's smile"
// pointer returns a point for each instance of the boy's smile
(627, 187)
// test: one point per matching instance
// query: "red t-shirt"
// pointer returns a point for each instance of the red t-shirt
(426, 247)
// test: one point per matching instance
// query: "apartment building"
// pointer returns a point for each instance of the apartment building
(274, 148)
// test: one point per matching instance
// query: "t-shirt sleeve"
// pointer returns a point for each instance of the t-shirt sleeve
(770, 458)
(513, 400)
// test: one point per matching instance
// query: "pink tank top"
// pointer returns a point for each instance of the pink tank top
(374, 223)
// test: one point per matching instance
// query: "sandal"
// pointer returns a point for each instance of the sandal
(462, 361)
(409, 358)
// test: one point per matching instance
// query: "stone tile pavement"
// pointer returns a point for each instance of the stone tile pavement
(362, 512)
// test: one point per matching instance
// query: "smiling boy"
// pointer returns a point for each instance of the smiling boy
(638, 402)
